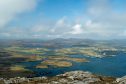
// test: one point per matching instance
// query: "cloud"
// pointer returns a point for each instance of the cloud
(100, 20)
(38, 28)
(76, 29)
(6, 34)
(60, 26)
(123, 34)
(10, 8)
(104, 20)
(61, 22)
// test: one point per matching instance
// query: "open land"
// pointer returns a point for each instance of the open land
(54, 53)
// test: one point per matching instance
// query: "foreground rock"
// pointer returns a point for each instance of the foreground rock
(121, 80)
(73, 77)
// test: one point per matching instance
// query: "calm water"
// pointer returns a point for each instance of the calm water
(108, 66)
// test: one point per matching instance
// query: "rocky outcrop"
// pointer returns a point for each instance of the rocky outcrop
(73, 77)
(121, 80)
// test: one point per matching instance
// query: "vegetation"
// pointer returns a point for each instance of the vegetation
(18, 68)
(51, 53)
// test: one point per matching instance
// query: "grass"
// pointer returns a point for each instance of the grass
(18, 68)
(57, 63)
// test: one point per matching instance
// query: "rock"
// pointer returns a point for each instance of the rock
(76, 82)
(72, 77)
(55, 82)
(121, 80)
(90, 80)
(78, 75)
(63, 80)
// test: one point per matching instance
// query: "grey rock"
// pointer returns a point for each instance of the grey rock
(72, 77)
(121, 80)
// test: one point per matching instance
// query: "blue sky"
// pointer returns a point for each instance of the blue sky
(45, 19)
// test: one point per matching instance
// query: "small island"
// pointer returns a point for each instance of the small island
(60, 61)
(54, 63)
(17, 68)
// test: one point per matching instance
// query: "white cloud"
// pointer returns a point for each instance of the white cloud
(76, 29)
(6, 34)
(88, 23)
(104, 20)
(61, 25)
(10, 8)
(36, 36)
(61, 22)
(100, 20)
(38, 28)
(123, 34)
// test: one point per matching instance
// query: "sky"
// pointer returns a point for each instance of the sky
(49, 19)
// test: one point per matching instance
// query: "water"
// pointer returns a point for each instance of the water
(107, 66)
